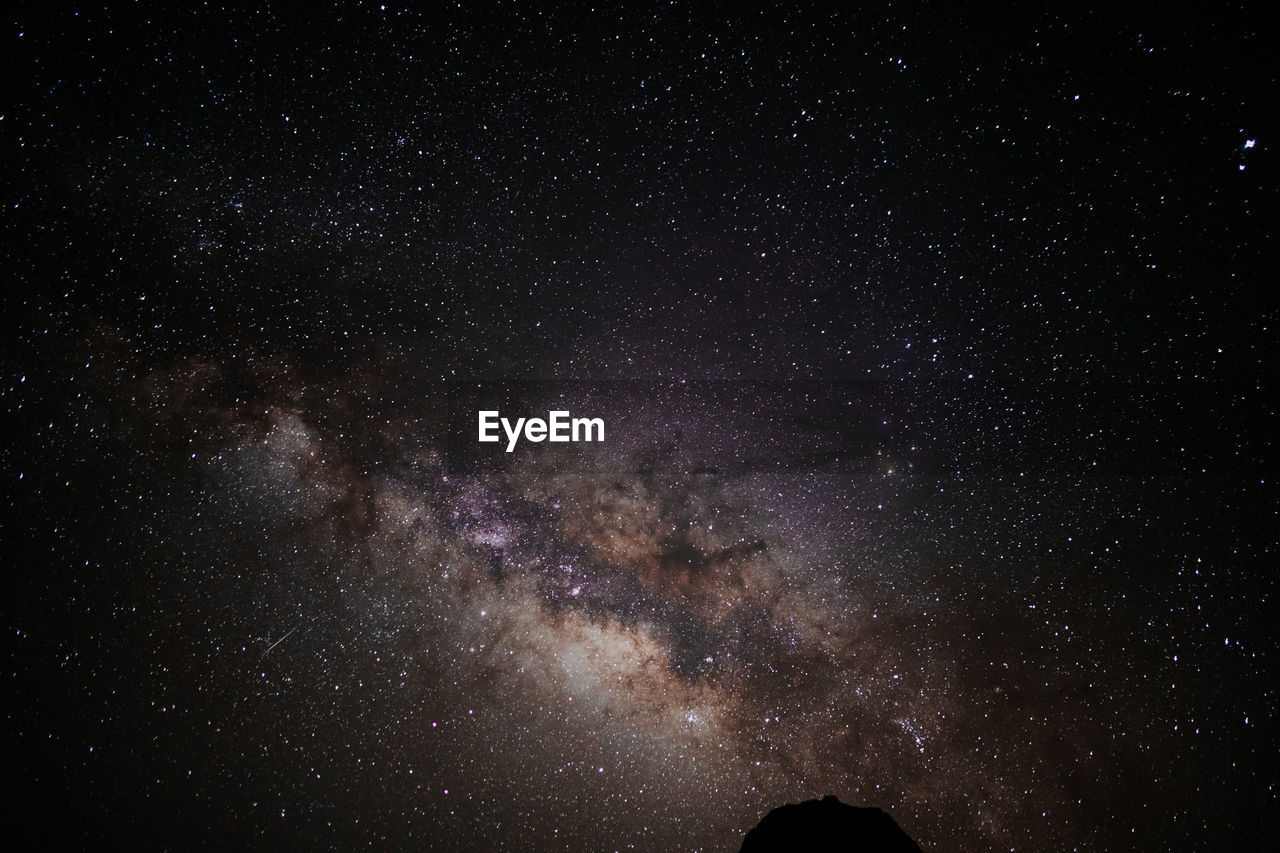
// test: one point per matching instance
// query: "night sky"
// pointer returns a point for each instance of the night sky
(935, 352)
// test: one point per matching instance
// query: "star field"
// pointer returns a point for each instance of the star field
(934, 351)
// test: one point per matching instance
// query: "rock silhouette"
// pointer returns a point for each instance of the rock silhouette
(827, 826)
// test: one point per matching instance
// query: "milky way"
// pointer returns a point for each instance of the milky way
(934, 363)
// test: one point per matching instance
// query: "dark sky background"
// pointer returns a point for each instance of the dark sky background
(935, 352)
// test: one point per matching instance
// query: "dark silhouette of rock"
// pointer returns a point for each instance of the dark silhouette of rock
(827, 826)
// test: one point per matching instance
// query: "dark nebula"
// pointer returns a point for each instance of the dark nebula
(935, 353)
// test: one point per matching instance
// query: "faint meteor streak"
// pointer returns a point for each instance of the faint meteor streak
(276, 643)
